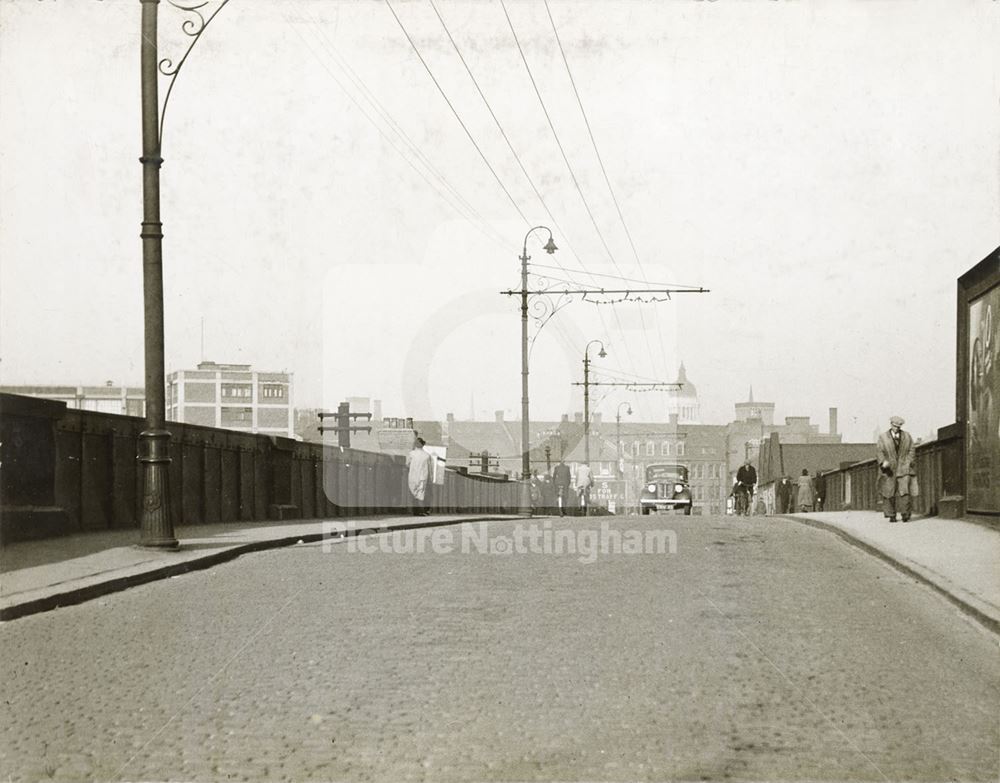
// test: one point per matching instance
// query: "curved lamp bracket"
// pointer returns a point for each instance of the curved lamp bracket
(192, 27)
(546, 299)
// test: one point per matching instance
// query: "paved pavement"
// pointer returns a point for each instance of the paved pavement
(761, 649)
(959, 559)
(36, 576)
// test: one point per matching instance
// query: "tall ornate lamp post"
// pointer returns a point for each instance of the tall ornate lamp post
(586, 396)
(550, 248)
(618, 435)
(618, 448)
(155, 523)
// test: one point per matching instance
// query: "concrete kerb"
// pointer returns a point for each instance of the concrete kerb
(57, 596)
(979, 614)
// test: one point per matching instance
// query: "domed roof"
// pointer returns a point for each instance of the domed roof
(687, 389)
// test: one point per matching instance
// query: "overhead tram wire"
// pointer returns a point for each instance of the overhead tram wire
(616, 277)
(590, 133)
(569, 167)
(485, 228)
(458, 117)
(607, 180)
(390, 120)
(564, 236)
(510, 145)
(454, 111)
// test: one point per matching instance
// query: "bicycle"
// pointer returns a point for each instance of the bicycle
(741, 499)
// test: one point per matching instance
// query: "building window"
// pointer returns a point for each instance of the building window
(239, 391)
(680, 449)
(272, 391)
(665, 449)
(650, 448)
(636, 448)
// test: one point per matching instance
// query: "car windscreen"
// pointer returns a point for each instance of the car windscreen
(666, 473)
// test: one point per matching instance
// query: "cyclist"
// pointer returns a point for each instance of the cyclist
(746, 480)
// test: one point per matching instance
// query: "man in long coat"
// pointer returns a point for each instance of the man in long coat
(783, 495)
(418, 462)
(896, 455)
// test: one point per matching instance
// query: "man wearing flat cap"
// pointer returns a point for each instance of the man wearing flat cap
(896, 456)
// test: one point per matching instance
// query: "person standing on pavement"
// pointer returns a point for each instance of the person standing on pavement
(783, 495)
(584, 481)
(418, 463)
(804, 497)
(896, 455)
(562, 479)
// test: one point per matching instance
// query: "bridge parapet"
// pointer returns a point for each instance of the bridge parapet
(64, 470)
(855, 486)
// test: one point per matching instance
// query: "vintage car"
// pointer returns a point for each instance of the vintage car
(666, 487)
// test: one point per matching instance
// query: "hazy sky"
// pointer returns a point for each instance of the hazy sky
(827, 169)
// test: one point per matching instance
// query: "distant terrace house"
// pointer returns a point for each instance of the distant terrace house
(232, 396)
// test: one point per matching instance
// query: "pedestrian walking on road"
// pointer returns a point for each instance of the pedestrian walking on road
(418, 463)
(804, 491)
(896, 455)
(783, 495)
(820, 484)
(562, 480)
(584, 481)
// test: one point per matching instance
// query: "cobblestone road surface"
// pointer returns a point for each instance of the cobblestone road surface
(761, 650)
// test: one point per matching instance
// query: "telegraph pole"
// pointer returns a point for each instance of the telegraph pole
(344, 427)
(586, 397)
(155, 523)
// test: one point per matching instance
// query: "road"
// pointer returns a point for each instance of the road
(759, 650)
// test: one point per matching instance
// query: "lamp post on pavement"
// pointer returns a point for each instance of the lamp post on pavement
(618, 448)
(618, 434)
(550, 248)
(155, 525)
(586, 396)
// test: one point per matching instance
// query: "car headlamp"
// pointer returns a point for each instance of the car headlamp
(678, 487)
(651, 487)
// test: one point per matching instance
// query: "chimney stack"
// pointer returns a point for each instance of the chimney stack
(833, 421)
(565, 418)
(450, 417)
(578, 417)
(595, 419)
(498, 415)
(377, 412)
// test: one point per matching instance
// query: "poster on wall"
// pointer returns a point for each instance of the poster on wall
(983, 434)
